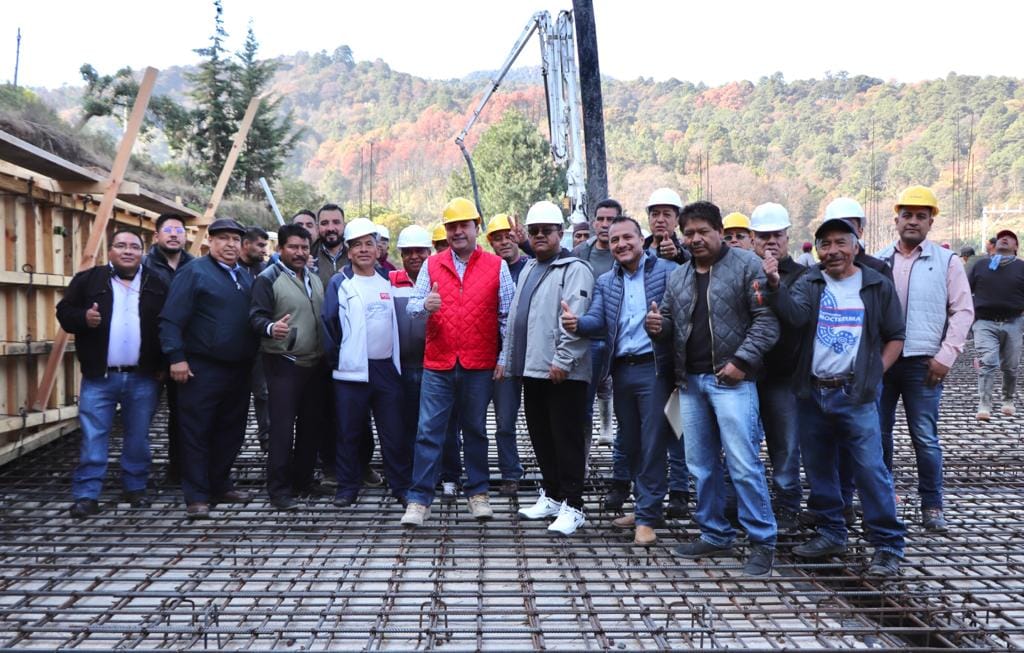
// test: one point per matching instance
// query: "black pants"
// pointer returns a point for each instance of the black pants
(327, 440)
(556, 416)
(295, 424)
(173, 429)
(212, 411)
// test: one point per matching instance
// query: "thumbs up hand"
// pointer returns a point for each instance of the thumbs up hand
(569, 320)
(770, 264)
(92, 316)
(280, 329)
(653, 320)
(432, 303)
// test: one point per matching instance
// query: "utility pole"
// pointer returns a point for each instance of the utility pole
(592, 101)
(17, 58)
(371, 181)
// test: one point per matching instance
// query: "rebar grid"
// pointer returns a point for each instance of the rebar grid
(353, 579)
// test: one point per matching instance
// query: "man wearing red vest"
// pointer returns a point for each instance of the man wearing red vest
(467, 293)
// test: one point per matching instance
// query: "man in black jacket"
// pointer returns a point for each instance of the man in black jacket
(165, 258)
(205, 334)
(112, 311)
(852, 330)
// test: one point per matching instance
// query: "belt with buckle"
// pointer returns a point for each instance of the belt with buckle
(635, 359)
(832, 382)
(123, 369)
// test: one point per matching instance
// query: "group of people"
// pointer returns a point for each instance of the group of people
(703, 336)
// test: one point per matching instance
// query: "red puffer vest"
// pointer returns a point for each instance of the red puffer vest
(400, 279)
(465, 330)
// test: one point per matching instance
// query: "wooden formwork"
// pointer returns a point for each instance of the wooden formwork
(47, 210)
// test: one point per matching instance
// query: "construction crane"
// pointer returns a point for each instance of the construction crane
(562, 92)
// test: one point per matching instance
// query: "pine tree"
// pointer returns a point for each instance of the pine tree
(270, 139)
(213, 121)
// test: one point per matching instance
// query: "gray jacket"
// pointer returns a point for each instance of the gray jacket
(568, 279)
(743, 327)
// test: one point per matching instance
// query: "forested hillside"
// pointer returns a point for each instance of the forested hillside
(798, 142)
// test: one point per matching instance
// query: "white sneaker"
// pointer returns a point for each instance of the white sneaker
(545, 507)
(1008, 409)
(480, 507)
(448, 491)
(415, 514)
(569, 519)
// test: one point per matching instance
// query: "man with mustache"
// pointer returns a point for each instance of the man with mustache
(643, 373)
(285, 315)
(931, 281)
(168, 255)
(851, 327)
(205, 335)
(663, 209)
(719, 349)
(112, 310)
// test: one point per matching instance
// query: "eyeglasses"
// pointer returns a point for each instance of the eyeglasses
(545, 230)
(135, 247)
(731, 237)
(172, 230)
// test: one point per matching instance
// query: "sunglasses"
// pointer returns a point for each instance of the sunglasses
(546, 230)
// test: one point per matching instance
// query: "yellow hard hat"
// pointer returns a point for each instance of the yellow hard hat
(736, 221)
(499, 222)
(917, 196)
(459, 210)
(439, 234)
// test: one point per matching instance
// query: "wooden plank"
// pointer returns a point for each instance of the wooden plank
(95, 187)
(124, 153)
(225, 175)
(16, 448)
(16, 423)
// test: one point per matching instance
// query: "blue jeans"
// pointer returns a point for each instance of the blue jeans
(717, 416)
(138, 395)
(830, 423)
(508, 396)
(467, 392)
(921, 405)
(645, 435)
(779, 418)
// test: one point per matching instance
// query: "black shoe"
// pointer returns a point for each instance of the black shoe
(678, 505)
(700, 549)
(760, 560)
(136, 499)
(786, 520)
(82, 508)
(616, 496)
(933, 521)
(315, 490)
(819, 547)
(232, 496)
(343, 501)
(884, 564)
(372, 478)
(509, 488)
(197, 510)
(284, 503)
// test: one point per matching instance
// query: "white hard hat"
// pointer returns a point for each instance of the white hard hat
(545, 212)
(768, 217)
(358, 228)
(844, 207)
(414, 236)
(382, 232)
(665, 196)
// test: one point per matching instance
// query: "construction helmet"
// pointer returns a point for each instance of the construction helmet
(736, 221)
(359, 228)
(844, 207)
(665, 196)
(499, 222)
(769, 217)
(917, 196)
(439, 234)
(459, 210)
(414, 236)
(382, 232)
(545, 212)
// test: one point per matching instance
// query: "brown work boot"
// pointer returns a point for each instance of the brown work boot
(644, 536)
(624, 522)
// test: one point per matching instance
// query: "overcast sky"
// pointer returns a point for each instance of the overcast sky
(713, 41)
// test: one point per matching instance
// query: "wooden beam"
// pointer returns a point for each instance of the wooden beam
(95, 187)
(225, 174)
(99, 225)
(13, 450)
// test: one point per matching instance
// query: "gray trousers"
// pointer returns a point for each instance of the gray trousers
(998, 343)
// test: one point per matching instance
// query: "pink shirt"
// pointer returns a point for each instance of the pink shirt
(959, 305)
